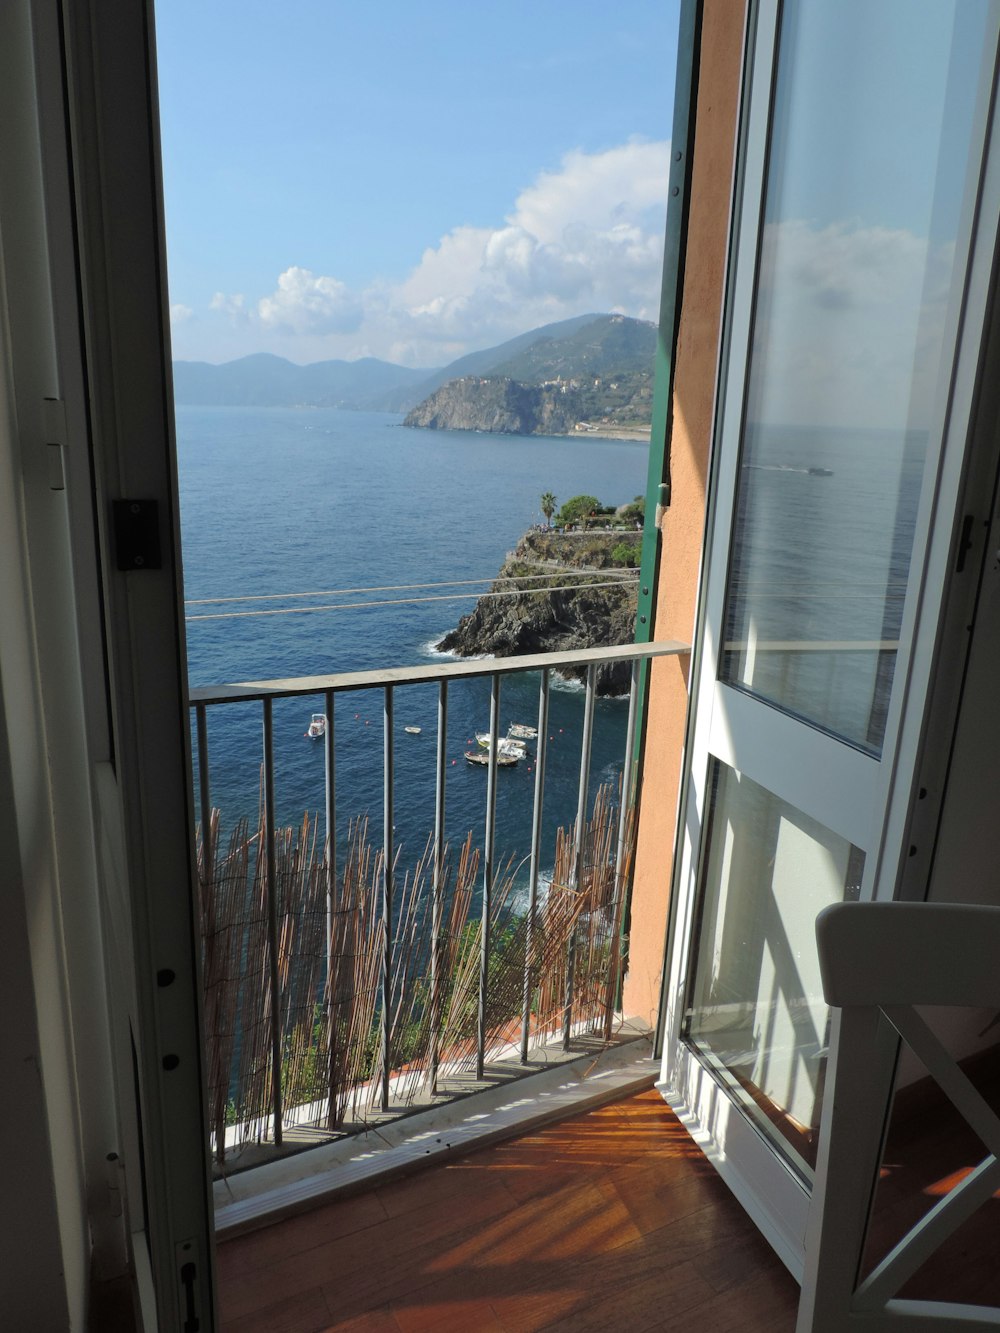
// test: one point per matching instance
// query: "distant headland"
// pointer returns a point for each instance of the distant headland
(588, 375)
(597, 379)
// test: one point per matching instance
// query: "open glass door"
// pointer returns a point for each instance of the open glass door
(854, 304)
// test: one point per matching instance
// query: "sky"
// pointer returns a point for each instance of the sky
(405, 181)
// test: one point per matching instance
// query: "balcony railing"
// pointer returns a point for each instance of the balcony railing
(330, 987)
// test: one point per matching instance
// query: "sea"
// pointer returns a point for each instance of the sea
(363, 542)
(320, 541)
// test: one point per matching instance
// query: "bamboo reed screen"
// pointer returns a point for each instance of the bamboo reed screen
(330, 941)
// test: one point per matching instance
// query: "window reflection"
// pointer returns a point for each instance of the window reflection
(868, 177)
(757, 1008)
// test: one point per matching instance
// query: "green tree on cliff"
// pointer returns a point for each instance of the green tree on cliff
(548, 505)
(579, 507)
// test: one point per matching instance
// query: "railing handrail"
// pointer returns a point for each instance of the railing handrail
(268, 889)
(410, 675)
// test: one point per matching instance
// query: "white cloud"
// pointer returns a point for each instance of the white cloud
(179, 313)
(234, 305)
(850, 322)
(596, 191)
(305, 303)
(586, 236)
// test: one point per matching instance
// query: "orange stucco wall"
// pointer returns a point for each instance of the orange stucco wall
(683, 524)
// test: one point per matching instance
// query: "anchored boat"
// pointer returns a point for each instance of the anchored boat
(520, 731)
(505, 745)
(482, 759)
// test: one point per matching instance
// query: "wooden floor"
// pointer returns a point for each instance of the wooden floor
(930, 1148)
(609, 1220)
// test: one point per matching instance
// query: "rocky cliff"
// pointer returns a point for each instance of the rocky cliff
(535, 618)
(502, 406)
(619, 405)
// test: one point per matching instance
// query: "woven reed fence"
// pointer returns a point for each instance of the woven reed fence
(329, 960)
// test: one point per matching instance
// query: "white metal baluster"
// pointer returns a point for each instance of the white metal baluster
(201, 716)
(272, 920)
(388, 795)
(536, 849)
(330, 789)
(579, 845)
(433, 1052)
(628, 782)
(488, 870)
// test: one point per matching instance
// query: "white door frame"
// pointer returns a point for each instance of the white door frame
(116, 286)
(866, 800)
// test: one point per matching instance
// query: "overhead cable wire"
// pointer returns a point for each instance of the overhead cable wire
(401, 601)
(394, 587)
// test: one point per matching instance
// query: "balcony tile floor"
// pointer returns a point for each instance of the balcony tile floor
(608, 1220)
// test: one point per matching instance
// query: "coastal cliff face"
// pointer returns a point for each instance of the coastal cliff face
(501, 406)
(536, 619)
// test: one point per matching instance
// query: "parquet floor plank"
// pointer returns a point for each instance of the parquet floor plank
(372, 1321)
(298, 1234)
(768, 1303)
(648, 1299)
(608, 1220)
(290, 1312)
(364, 1262)
(453, 1316)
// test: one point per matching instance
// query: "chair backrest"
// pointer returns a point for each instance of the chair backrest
(878, 961)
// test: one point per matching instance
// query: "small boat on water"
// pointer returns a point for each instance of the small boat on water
(481, 758)
(520, 731)
(413, 731)
(505, 746)
(317, 727)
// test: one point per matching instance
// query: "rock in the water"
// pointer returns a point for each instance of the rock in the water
(534, 618)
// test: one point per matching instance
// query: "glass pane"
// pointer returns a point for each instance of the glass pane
(869, 171)
(757, 1008)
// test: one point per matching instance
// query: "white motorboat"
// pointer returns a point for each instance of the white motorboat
(506, 745)
(520, 731)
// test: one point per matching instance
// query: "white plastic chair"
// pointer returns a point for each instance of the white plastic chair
(879, 960)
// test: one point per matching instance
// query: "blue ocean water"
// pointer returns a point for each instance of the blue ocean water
(277, 501)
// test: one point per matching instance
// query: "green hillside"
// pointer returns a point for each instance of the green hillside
(594, 376)
(606, 345)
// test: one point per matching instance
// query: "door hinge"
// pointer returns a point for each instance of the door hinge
(664, 503)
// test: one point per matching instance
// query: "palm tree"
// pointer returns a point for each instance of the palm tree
(548, 507)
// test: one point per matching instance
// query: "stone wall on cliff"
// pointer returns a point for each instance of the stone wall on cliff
(561, 612)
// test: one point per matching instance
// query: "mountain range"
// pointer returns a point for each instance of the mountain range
(594, 346)
(263, 380)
